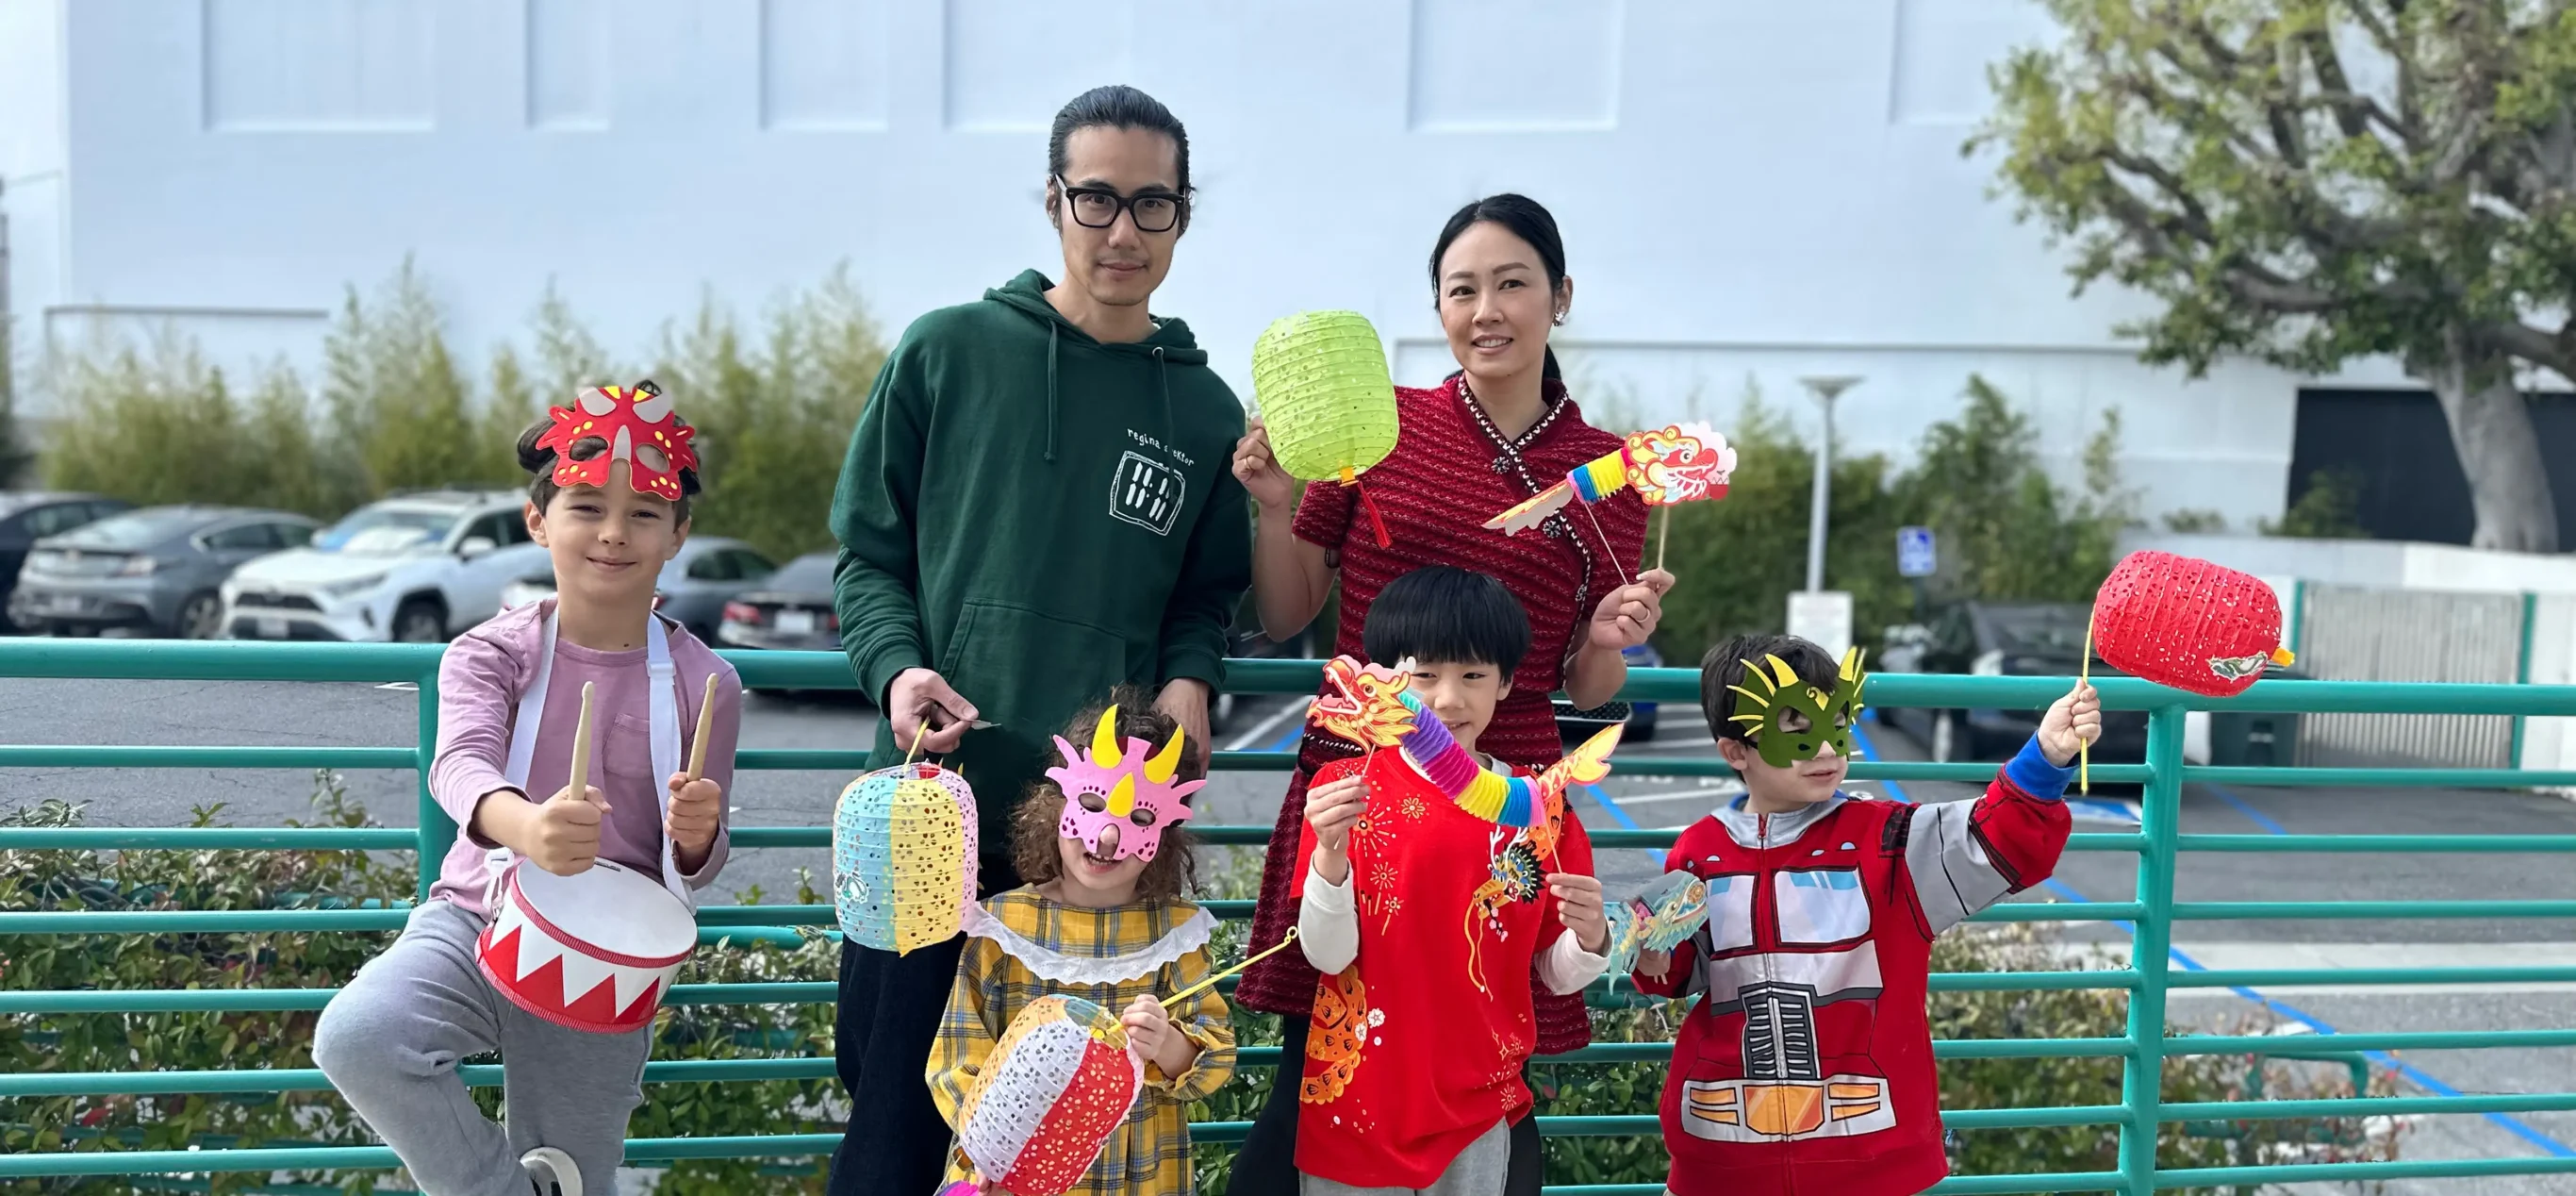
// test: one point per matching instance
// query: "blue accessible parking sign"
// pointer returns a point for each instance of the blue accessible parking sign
(1914, 552)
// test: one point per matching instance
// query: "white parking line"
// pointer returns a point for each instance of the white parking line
(1728, 789)
(1261, 730)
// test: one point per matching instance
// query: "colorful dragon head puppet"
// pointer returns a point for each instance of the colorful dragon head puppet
(1374, 706)
(1122, 785)
(1674, 464)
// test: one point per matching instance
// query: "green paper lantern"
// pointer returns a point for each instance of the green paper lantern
(1321, 380)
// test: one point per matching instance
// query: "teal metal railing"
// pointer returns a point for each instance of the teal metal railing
(2142, 1050)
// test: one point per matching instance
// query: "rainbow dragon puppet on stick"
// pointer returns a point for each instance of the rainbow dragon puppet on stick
(1374, 707)
(1667, 467)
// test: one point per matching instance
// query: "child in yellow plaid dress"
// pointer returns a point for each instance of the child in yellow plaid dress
(1103, 919)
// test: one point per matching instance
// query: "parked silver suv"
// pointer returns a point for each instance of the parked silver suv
(156, 570)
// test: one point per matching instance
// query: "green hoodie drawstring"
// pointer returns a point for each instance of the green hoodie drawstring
(1054, 330)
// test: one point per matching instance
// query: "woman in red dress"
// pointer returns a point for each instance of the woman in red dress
(1490, 436)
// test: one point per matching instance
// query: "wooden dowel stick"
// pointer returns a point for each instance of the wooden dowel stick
(706, 724)
(1204, 985)
(581, 744)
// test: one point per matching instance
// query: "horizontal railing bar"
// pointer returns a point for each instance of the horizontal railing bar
(283, 1000)
(1973, 773)
(2384, 778)
(191, 921)
(702, 1071)
(207, 838)
(2311, 977)
(50, 755)
(2428, 844)
(233, 660)
(2398, 1040)
(2367, 1106)
(2354, 1173)
(311, 1079)
(2129, 693)
(2247, 911)
(228, 838)
(824, 992)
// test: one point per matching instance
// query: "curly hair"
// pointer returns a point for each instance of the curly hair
(1174, 871)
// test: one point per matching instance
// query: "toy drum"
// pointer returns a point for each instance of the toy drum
(590, 952)
(1059, 1082)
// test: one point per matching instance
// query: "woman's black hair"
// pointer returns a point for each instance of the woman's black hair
(1723, 669)
(540, 464)
(1118, 106)
(1441, 614)
(1528, 220)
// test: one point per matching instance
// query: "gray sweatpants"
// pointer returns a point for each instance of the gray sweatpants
(1478, 1170)
(391, 1040)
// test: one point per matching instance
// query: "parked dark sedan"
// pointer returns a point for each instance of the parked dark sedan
(790, 612)
(1640, 716)
(156, 570)
(2032, 639)
(27, 518)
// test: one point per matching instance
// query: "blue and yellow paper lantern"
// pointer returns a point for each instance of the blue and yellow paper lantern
(903, 857)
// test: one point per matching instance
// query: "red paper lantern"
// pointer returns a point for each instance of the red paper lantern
(2188, 623)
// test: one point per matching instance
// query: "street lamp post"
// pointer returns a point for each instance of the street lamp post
(1826, 389)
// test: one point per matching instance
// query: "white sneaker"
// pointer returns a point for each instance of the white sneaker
(552, 1172)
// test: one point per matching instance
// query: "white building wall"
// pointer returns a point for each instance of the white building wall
(1748, 189)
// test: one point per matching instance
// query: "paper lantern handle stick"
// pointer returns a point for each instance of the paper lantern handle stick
(581, 743)
(1663, 535)
(706, 724)
(1612, 549)
(1203, 985)
(2084, 747)
(919, 730)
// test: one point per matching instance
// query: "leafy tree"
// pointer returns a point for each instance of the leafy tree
(14, 455)
(391, 388)
(2005, 529)
(777, 417)
(2329, 509)
(2315, 181)
(774, 408)
(1738, 560)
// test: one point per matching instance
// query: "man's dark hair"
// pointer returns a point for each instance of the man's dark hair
(1445, 615)
(1117, 106)
(1724, 667)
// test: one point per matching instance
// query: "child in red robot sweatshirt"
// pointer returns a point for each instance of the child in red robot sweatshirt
(1806, 1067)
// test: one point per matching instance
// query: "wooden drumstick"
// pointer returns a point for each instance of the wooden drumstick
(706, 723)
(1204, 985)
(581, 746)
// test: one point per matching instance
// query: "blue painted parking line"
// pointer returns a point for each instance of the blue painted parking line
(2512, 1125)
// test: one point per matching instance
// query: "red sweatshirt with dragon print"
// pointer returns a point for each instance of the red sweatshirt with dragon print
(1806, 1067)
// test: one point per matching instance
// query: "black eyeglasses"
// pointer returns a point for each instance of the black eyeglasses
(1098, 207)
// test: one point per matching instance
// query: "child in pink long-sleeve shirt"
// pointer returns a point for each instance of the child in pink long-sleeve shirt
(611, 505)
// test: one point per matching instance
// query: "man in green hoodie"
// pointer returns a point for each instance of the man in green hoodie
(1037, 507)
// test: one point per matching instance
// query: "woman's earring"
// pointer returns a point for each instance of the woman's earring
(1560, 320)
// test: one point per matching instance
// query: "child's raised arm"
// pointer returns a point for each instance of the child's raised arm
(1328, 920)
(1206, 1061)
(1965, 856)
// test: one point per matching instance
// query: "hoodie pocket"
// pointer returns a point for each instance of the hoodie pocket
(1027, 671)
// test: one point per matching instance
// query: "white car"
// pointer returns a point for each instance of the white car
(414, 568)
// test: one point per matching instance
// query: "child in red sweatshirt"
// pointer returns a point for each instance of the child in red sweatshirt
(1806, 1066)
